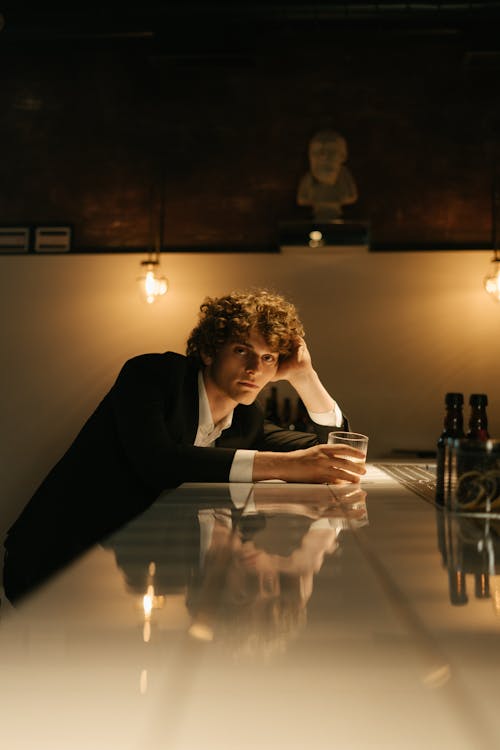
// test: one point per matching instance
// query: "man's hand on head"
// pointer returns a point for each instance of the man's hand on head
(300, 373)
(297, 365)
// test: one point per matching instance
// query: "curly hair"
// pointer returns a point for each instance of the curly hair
(230, 318)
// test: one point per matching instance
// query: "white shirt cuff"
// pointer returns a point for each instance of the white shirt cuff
(331, 418)
(242, 466)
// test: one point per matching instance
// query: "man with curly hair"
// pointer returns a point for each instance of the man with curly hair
(242, 342)
(170, 419)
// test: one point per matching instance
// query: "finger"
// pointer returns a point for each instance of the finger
(348, 466)
(302, 350)
(339, 449)
(338, 476)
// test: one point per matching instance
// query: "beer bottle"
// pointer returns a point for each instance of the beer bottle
(453, 428)
(478, 421)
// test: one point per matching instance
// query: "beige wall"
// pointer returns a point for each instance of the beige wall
(389, 333)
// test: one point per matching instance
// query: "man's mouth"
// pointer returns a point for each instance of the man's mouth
(248, 384)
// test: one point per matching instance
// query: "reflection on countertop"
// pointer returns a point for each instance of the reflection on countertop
(268, 615)
(246, 565)
(470, 549)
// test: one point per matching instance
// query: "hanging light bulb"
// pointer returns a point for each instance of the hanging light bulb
(492, 282)
(151, 284)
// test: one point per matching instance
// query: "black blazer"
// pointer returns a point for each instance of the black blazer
(137, 443)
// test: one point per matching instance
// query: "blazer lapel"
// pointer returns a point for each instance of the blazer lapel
(191, 403)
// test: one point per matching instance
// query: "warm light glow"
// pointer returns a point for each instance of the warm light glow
(437, 677)
(147, 603)
(315, 235)
(201, 631)
(492, 282)
(150, 601)
(146, 631)
(143, 681)
(152, 285)
(315, 238)
(495, 593)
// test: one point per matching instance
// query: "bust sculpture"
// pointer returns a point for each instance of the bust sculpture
(329, 184)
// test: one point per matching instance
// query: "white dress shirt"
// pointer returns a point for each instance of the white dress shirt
(208, 432)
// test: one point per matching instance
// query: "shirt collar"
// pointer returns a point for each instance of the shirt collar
(205, 419)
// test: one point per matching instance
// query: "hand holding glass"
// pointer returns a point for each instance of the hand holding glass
(353, 440)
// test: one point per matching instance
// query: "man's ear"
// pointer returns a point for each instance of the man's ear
(206, 359)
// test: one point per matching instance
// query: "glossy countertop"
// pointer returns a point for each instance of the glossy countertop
(270, 615)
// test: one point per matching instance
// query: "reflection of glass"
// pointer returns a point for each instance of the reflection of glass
(470, 546)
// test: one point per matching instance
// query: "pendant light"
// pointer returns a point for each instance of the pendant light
(152, 285)
(492, 281)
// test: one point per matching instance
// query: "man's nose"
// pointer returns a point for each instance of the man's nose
(253, 362)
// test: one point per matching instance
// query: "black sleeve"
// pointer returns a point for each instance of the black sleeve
(148, 416)
(276, 438)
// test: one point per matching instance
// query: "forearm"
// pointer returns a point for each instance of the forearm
(312, 392)
(269, 465)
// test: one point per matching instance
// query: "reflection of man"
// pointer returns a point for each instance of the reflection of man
(329, 184)
(258, 577)
(169, 419)
(246, 564)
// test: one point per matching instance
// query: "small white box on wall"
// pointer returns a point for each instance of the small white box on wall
(14, 239)
(52, 239)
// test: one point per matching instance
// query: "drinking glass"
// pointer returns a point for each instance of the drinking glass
(354, 440)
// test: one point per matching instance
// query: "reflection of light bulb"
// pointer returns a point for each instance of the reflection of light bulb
(147, 603)
(151, 285)
(492, 282)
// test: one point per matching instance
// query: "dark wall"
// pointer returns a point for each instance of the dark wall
(91, 130)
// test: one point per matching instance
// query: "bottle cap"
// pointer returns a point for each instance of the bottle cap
(454, 399)
(478, 399)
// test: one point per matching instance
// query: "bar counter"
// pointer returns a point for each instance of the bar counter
(265, 616)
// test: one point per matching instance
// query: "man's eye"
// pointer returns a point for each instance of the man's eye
(269, 359)
(240, 350)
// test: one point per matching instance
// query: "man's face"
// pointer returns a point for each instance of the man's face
(240, 369)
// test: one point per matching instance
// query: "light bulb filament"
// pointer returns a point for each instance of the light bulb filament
(151, 285)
